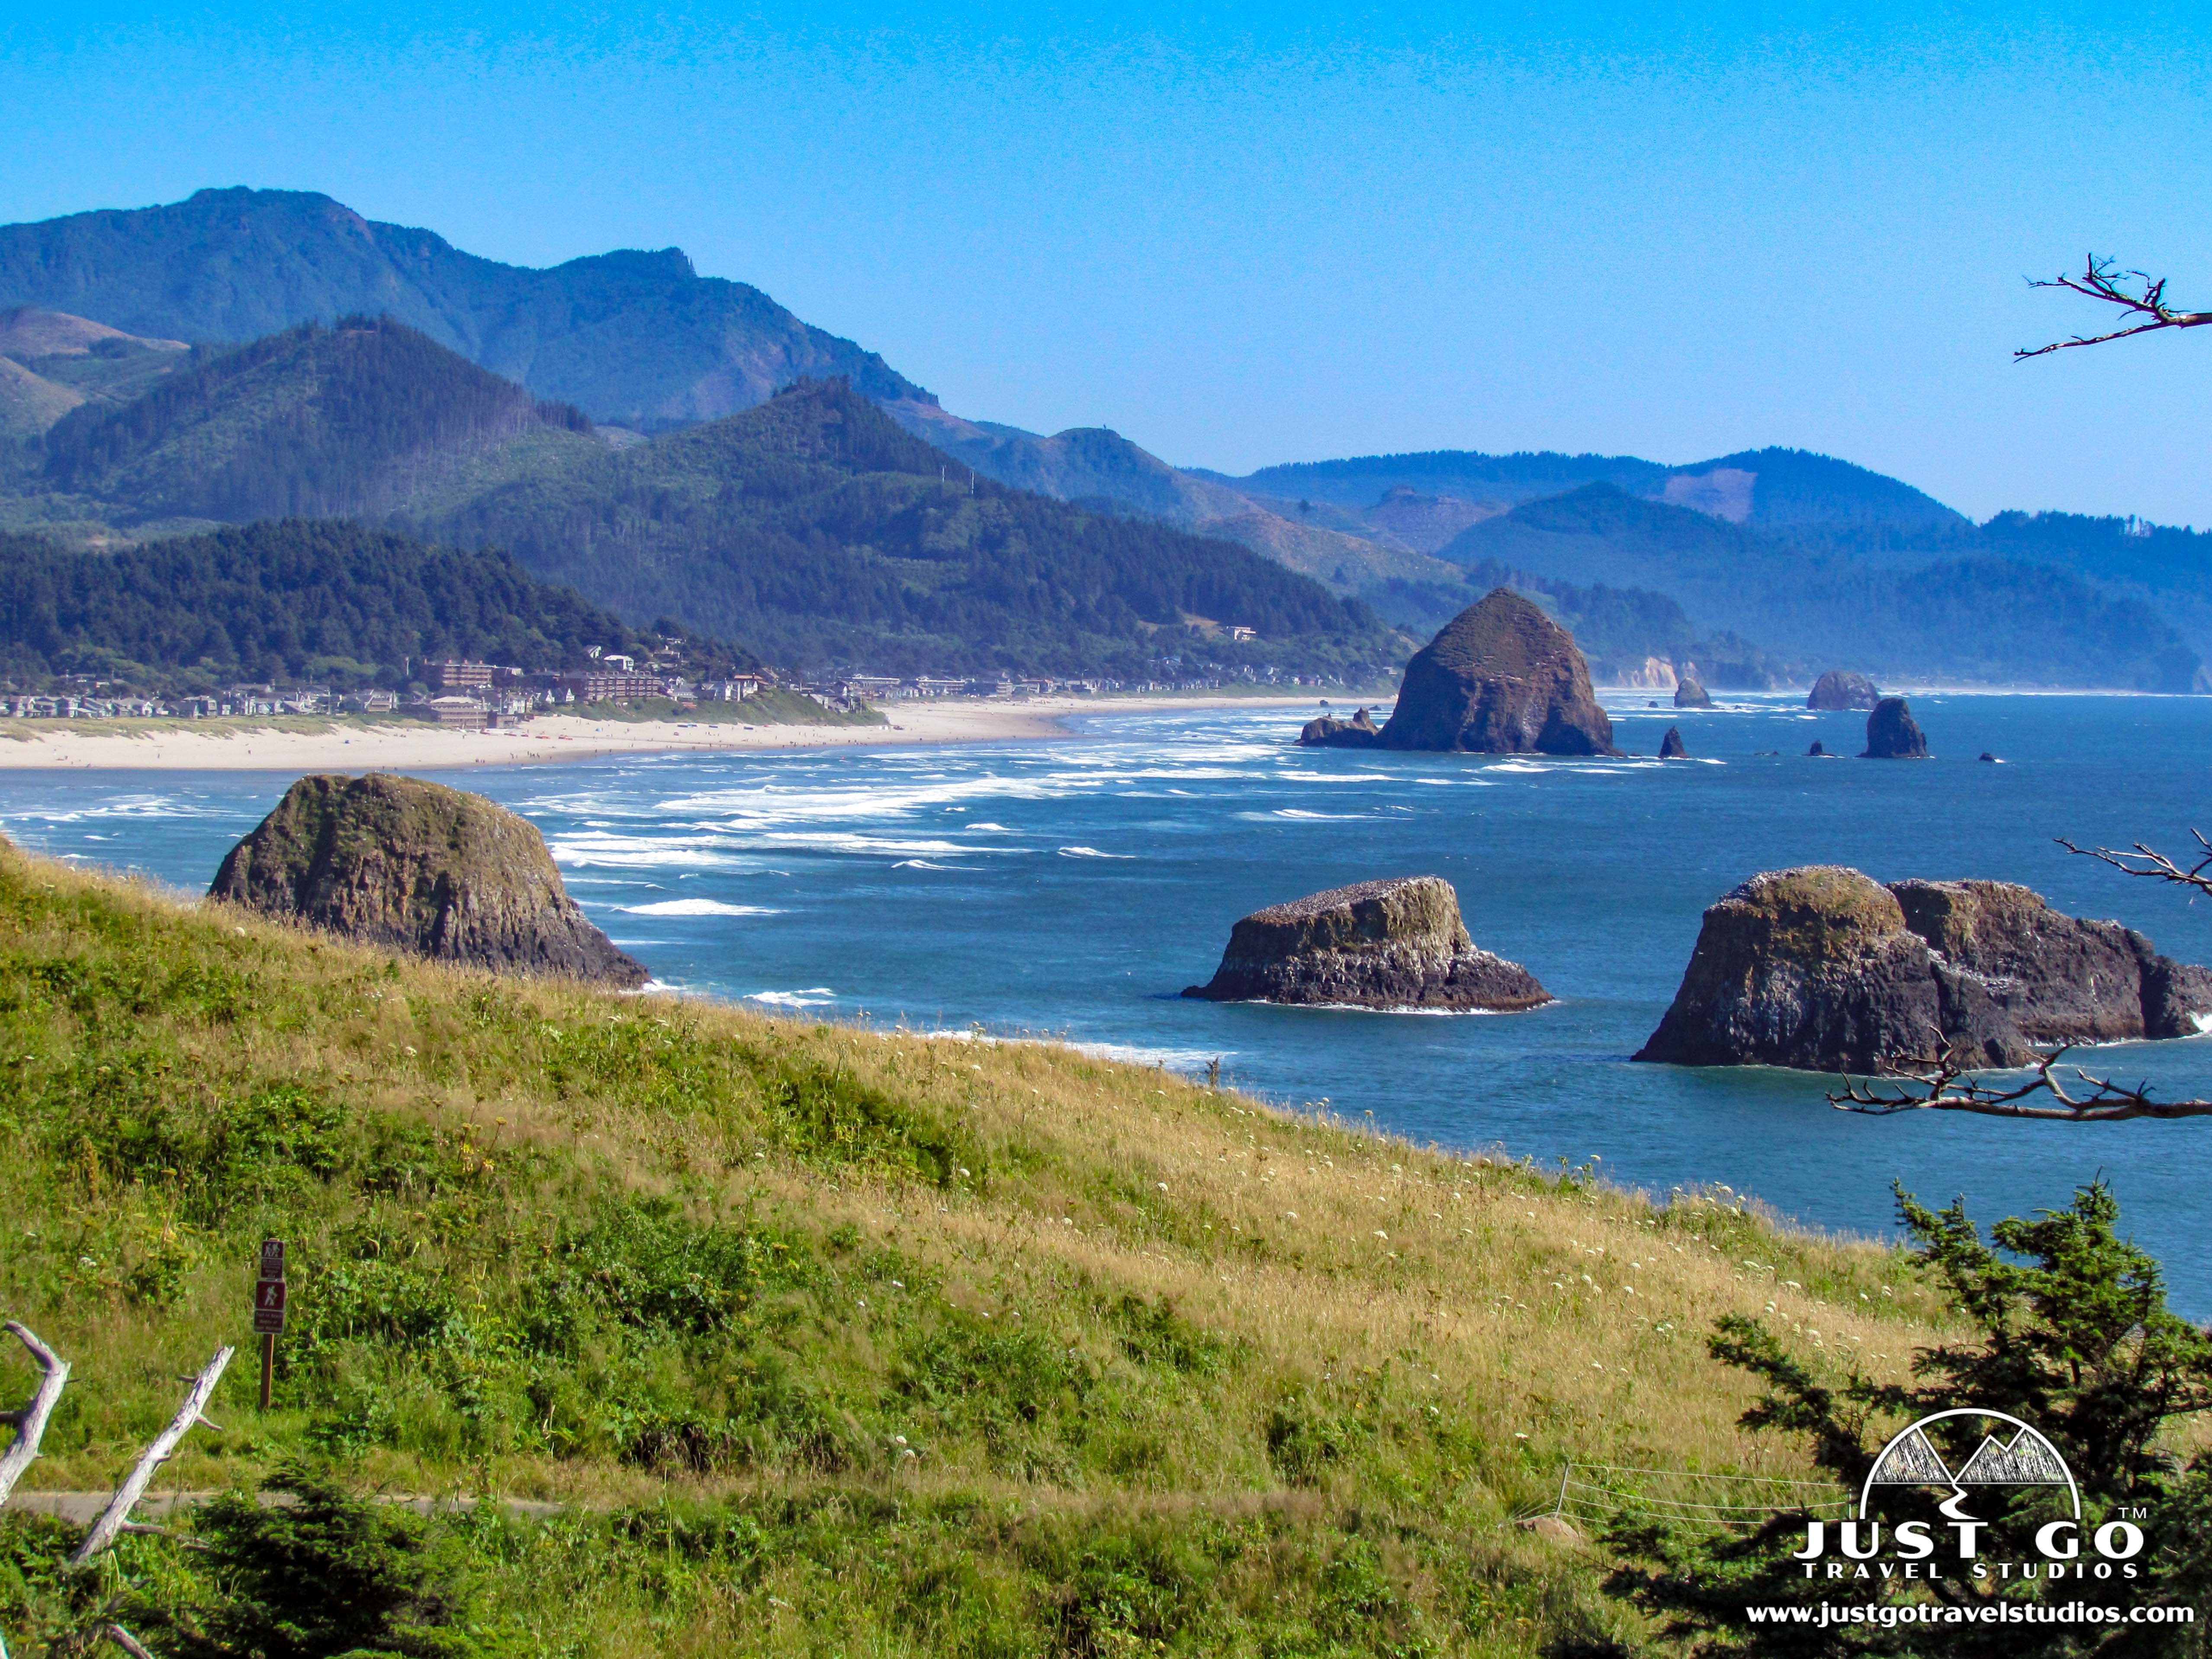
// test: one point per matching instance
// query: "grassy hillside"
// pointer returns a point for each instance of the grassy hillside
(331, 602)
(837, 1341)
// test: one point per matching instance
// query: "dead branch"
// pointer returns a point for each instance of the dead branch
(2148, 861)
(113, 1518)
(1945, 1084)
(2100, 279)
(30, 1422)
(129, 1643)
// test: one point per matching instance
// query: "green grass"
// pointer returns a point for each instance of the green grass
(836, 1341)
(773, 706)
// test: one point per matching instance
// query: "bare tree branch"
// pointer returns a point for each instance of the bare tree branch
(1945, 1084)
(2148, 861)
(2100, 279)
(30, 1422)
(129, 1643)
(113, 1518)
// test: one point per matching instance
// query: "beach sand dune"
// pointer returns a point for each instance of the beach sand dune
(346, 746)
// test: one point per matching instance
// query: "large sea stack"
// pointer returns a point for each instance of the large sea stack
(1838, 689)
(1893, 733)
(396, 861)
(1500, 678)
(1825, 970)
(1397, 943)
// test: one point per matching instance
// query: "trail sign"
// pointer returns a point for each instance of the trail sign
(269, 1306)
(269, 1310)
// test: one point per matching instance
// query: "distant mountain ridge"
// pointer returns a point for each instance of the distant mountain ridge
(632, 337)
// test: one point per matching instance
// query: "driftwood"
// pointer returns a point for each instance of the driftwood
(113, 1519)
(2101, 279)
(30, 1422)
(1941, 1085)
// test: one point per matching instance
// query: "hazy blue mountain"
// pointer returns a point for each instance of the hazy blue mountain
(1979, 619)
(635, 338)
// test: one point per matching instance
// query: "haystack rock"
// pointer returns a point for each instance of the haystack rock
(1396, 943)
(1358, 732)
(1691, 695)
(1818, 751)
(1893, 733)
(396, 861)
(1838, 689)
(1825, 970)
(1500, 678)
(1670, 746)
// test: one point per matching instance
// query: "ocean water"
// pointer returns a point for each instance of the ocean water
(1072, 888)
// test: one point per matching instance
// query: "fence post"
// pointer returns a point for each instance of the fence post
(1560, 1508)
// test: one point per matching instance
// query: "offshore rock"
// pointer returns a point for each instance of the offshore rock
(1691, 695)
(1670, 746)
(396, 861)
(1838, 690)
(1812, 968)
(1825, 970)
(1500, 678)
(2057, 978)
(1358, 732)
(1397, 943)
(1819, 751)
(1893, 733)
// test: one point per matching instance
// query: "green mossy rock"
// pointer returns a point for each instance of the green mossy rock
(398, 861)
(1397, 943)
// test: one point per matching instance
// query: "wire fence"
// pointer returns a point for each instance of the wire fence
(1599, 1494)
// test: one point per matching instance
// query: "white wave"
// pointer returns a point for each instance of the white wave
(1320, 817)
(995, 829)
(925, 864)
(1091, 853)
(815, 997)
(697, 908)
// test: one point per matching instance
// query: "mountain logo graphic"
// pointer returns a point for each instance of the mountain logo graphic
(2011, 1453)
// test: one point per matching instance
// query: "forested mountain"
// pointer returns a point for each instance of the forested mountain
(1978, 619)
(336, 603)
(814, 528)
(312, 422)
(818, 530)
(632, 337)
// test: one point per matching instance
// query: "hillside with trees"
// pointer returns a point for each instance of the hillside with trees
(335, 604)
(313, 422)
(818, 531)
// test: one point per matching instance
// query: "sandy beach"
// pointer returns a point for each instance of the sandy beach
(348, 746)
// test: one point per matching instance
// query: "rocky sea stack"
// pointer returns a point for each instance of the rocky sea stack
(1838, 689)
(1670, 746)
(1358, 732)
(1893, 733)
(396, 861)
(1397, 943)
(1500, 678)
(1826, 969)
(1688, 694)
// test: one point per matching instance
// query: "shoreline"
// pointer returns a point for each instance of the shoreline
(157, 745)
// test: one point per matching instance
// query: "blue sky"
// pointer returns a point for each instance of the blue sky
(1241, 234)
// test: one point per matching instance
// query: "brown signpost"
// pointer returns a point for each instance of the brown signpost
(269, 1310)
